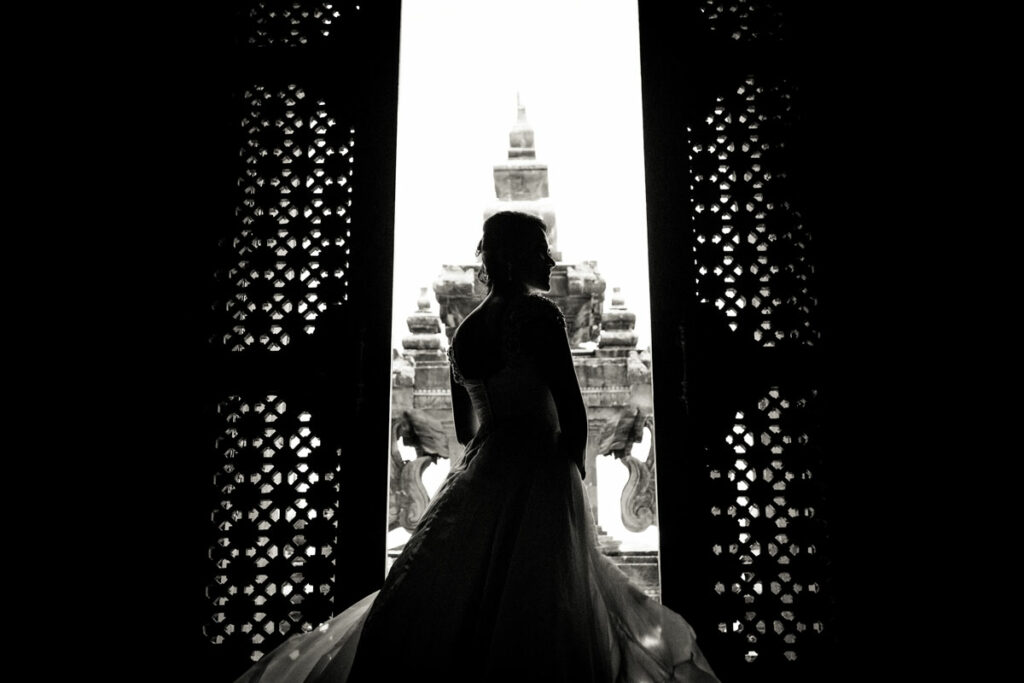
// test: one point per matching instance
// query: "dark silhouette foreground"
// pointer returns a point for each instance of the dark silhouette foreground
(503, 579)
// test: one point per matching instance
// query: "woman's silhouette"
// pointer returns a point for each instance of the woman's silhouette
(502, 579)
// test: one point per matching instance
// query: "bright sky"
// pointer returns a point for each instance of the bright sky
(576, 65)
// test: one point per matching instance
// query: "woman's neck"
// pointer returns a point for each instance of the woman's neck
(519, 289)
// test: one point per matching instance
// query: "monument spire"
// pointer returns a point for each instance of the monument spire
(520, 138)
(521, 184)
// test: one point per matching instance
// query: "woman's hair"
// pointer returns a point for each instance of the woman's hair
(510, 237)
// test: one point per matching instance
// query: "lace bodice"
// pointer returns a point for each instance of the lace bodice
(525, 331)
(517, 392)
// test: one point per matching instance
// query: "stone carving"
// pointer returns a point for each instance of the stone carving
(638, 501)
(617, 335)
(578, 290)
(408, 496)
(403, 372)
(424, 339)
(458, 291)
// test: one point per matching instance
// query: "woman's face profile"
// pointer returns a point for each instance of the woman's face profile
(538, 265)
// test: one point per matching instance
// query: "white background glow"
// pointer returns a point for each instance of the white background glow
(576, 65)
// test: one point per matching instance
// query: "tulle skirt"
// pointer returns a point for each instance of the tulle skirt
(502, 581)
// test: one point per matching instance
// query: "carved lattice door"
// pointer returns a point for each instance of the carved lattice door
(298, 263)
(745, 541)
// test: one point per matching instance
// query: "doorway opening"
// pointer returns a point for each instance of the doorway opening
(531, 105)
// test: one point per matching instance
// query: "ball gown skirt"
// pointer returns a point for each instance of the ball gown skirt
(502, 580)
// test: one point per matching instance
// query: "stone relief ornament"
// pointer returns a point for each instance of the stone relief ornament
(638, 501)
(408, 496)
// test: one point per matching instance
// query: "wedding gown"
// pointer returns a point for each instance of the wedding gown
(502, 579)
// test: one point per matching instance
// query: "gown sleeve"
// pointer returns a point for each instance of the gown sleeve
(543, 335)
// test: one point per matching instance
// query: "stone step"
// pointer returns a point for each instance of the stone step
(641, 566)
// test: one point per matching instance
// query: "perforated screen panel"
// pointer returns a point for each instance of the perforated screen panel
(755, 383)
(744, 20)
(275, 524)
(750, 244)
(288, 260)
(291, 275)
(768, 534)
(290, 23)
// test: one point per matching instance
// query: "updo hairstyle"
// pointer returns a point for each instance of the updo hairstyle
(510, 239)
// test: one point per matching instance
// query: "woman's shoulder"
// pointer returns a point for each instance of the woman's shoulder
(533, 326)
(473, 348)
(477, 325)
(536, 308)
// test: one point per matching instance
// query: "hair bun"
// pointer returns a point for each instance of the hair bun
(509, 237)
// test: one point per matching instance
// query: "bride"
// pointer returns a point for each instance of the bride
(503, 579)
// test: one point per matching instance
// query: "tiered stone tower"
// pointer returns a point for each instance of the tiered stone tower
(521, 184)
